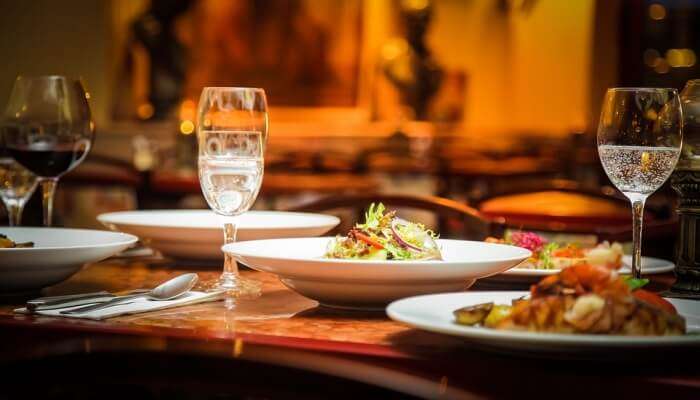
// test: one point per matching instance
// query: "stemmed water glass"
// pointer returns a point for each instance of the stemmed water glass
(232, 128)
(639, 142)
(16, 187)
(47, 128)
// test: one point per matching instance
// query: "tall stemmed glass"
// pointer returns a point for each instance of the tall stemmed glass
(48, 128)
(232, 128)
(639, 142)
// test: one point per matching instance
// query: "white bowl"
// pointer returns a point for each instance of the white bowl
(198, 234)
(57, 254)
(300, 265)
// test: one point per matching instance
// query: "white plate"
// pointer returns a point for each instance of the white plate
(198, 234)
(57, 254)
(529, 276)
(434, 313)
(300, 265)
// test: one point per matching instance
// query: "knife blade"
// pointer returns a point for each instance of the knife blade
(69, 303)
(55, 302)
(68, 297)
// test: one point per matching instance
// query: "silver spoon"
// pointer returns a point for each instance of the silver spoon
(165, 291)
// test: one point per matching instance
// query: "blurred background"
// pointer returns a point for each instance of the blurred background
(491, 103)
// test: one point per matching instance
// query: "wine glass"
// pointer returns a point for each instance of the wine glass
(48, 128)
(639, 142)
(232, 128)
(16, 187)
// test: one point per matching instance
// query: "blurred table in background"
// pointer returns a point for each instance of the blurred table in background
(165, 182)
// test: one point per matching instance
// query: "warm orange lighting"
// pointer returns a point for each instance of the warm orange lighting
(680, 57)
(145, 110)
(415, 5)
(186, 127)
(657, 12)
(187, 110)
(662, 66)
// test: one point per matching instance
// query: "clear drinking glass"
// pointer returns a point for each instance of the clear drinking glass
(232, 128)
(47, 128)
(16, 187)
(639, 142)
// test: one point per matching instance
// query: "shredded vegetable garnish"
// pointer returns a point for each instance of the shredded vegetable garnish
(383, 236)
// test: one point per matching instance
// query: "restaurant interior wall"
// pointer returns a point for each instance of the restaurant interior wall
(527, 70)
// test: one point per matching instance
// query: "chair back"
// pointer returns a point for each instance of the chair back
(454, 219)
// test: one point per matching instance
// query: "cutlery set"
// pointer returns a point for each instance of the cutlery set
(87, 302)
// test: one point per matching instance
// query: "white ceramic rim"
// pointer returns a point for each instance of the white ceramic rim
(525, 254)
(500, 336)
(108, 218)
(126, 239)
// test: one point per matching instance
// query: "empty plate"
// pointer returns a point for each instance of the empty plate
(198, 234)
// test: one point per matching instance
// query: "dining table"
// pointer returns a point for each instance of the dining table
(283, 345)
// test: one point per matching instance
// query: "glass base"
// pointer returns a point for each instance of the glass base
(234, 285)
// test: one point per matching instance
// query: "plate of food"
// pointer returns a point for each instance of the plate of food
(33, 258)
(582, 309)
(197, 234)
(380, 260)
(550, 257)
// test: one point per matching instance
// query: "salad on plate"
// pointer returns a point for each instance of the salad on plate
(554, 256)
(384, 236)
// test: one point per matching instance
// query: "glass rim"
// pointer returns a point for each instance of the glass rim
(640, 89)
(48, 77)
(234, 88)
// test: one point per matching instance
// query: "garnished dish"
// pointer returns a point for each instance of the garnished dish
(550, 255)
(384, 236)
(7, 243)
(583, 298)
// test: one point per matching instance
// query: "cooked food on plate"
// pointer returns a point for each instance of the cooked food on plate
(384, 236)
(582, 298)
(550, 255)
(7, 243)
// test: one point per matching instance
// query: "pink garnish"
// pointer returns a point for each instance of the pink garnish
(528, 240)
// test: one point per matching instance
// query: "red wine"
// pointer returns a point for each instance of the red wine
(47, 163)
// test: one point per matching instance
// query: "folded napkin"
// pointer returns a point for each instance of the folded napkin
(134, 306)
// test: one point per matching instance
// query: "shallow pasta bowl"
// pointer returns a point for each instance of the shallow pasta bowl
(300, 265)
(198, 234)
(57, 254)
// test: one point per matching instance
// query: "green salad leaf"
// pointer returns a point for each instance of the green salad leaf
(635, 283)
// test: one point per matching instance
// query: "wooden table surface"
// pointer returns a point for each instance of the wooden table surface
(284, 329)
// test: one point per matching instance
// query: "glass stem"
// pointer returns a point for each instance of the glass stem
(14, 212)
(48, 188)
(230, 274)
(637, 221)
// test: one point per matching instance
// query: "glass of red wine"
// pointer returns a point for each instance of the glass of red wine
(48, 129)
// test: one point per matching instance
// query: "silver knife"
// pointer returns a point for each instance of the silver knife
(56, 302)
(68, 297)
(56, 305)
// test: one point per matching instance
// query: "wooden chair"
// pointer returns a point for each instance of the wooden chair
(562, 206)
(556, 202)
(449, 213)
